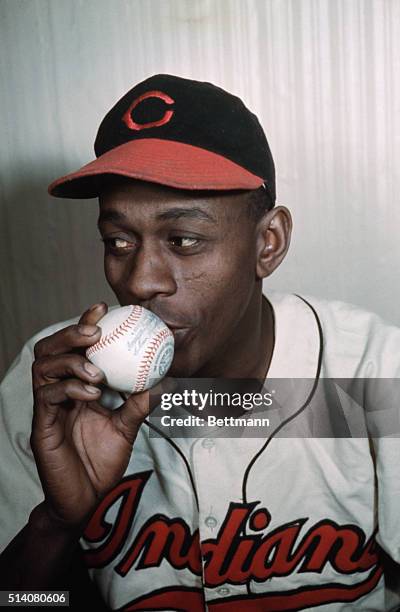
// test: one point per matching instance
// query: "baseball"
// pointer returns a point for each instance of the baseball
(135, 350)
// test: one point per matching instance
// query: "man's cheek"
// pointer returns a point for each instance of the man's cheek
(194, 276)
(112, 276)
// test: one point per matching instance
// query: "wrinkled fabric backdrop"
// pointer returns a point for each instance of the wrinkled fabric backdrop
(322, 75)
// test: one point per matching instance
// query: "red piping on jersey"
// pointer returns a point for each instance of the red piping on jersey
(191, 600)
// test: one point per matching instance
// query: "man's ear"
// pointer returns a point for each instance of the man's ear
(273, 239)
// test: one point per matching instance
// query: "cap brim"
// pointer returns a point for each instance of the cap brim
(166, 162)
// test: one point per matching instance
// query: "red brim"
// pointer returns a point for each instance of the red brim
(166, 162)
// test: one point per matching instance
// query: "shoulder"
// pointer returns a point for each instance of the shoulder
(354, 322)
(357, 338)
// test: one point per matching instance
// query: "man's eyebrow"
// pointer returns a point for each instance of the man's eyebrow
(188, 213)
(110, 215)
(166, 215)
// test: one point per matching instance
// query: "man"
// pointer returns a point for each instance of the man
(186, 186)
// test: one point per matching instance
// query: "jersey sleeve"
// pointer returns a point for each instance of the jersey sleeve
(360, 345)
(20, 487)
(383, 419)
(387, 451)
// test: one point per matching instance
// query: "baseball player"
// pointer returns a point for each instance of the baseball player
(302, 518)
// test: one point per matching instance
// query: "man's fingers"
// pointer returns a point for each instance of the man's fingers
(47, 370)
(47, 399)
(128, 418)
(93, 314)
(66, 390)
(63, 341)
(82, 335)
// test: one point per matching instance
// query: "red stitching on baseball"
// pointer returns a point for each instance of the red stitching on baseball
(119, 331)
(148, 358)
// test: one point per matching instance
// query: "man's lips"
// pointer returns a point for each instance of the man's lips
(181, 330)
(181, 334)
(174, 326)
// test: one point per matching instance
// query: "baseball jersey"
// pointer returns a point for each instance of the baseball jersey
(290, 521)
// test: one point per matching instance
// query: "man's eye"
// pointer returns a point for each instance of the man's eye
(183, 242)
(118, 244)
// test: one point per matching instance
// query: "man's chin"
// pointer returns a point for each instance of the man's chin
(183, 366)
(180, 371)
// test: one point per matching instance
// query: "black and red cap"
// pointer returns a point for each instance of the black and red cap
(177, 132)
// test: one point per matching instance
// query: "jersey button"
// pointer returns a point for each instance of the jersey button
(223, 591)
(208, 443)
(211, 522)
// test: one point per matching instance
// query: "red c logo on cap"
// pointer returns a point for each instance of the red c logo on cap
(132, 125)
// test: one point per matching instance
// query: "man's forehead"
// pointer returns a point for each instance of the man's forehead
(130, 198)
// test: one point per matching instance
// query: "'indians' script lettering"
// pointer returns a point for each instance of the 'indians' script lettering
(240, 552)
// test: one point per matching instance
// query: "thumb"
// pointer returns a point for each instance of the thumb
(128, 418)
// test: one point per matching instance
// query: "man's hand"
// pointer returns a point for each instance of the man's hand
(81, 449)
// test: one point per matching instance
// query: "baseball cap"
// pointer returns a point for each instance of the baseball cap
(180, 133)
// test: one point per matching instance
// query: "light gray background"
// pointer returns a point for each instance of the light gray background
(322, 75)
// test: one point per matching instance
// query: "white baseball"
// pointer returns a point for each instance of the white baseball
(135, 350)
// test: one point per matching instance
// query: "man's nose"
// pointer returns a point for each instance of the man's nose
(150, 275)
